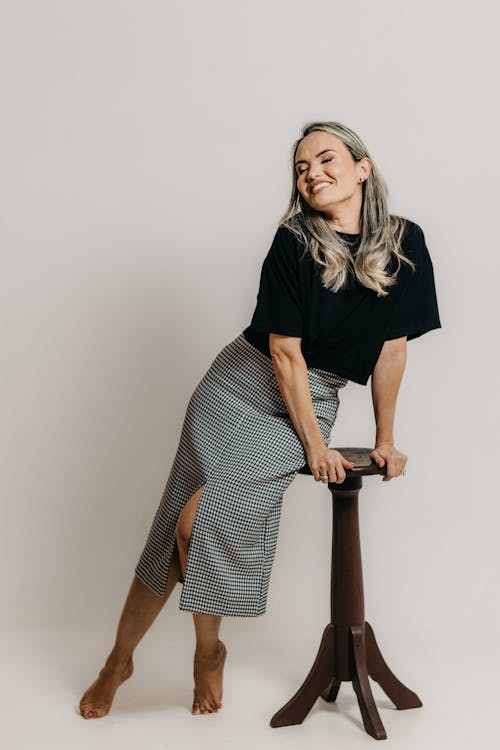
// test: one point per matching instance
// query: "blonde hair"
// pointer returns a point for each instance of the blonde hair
(381, 232)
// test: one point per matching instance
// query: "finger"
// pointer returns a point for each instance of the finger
(378, 458)
(347, 464)
(333, 473)
(392, 468)
(320, 472)
(396, 467)
(339, 470)
(330, 468)
(326, 471)
(388, 475)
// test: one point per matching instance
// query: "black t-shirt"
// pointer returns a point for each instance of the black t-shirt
(342, 332)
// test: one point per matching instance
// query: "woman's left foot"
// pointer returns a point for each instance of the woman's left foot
(97, 699)
(208, 669)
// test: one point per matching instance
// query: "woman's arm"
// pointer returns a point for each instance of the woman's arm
(386, 380)
(291, 373)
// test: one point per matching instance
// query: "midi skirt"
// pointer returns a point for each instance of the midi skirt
(239, 441)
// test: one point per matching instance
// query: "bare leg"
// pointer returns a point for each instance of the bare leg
(210, 652)
(209, 658)
(139, 612)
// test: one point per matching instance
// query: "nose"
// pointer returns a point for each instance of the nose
(314, 174)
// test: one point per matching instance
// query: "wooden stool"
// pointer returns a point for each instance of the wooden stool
(348, 651)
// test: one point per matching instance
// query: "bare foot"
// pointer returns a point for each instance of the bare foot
(208, 668)
(97, 699)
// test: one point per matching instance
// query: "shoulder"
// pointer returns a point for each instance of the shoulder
(413, 242)
(415, 248)
(286, 245)
(413, 232)
(287, 236)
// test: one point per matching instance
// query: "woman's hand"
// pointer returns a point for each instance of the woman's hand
(387, 453)
(327, 463)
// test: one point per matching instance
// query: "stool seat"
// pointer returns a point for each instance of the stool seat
(365, 465)
(348, 651)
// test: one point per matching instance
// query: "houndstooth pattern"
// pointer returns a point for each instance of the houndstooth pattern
(239, 440)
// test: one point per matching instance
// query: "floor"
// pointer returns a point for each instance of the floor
(46, 670)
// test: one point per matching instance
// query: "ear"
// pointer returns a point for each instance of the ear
(366, 165)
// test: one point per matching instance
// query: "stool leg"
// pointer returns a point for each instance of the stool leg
(400, 695)
(371, 719)
(331, 691)
(319, 678)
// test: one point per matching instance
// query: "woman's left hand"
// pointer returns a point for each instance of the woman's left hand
(387, 453)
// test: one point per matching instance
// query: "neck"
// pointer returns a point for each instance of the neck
(345, 216)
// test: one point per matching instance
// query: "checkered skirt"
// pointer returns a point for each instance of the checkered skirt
(239, 441)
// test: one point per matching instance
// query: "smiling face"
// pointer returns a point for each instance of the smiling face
(328, 178)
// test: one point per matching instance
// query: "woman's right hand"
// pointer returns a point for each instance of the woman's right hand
(324, 461)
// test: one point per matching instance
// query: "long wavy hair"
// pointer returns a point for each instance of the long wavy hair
(381, 232)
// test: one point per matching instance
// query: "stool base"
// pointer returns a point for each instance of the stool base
(366, 660)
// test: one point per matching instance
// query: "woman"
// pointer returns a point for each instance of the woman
(342, 288)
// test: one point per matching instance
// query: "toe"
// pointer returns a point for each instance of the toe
(95, 712)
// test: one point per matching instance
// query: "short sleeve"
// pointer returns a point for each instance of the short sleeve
(415, 310)
(279, 306)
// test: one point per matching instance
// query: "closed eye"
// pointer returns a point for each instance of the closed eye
(322, 161)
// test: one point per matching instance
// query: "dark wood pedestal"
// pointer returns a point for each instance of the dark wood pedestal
(348, 651)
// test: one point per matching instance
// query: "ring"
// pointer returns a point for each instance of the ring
(403, 470)
(323, 476)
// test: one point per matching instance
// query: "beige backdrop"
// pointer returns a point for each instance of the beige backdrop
(145, 162)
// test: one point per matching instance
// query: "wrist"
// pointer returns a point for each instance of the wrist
(383, 442)
(315, 442)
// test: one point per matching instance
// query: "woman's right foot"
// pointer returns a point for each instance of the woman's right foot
(208, 670)
(97, 699)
